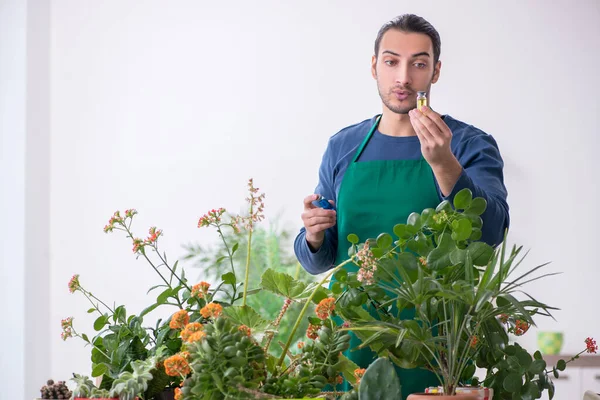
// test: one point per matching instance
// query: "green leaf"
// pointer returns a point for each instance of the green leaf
(380, 381)
(91, 310)
(475, 234)
(234, 248)
(282, 284)
(341, 275)
(463, 199)
(100, 322)
(414, 219)
(426, 216)
(439, 257)
(99, 370)
(149, 309)
(538, 356)
(513, 382)
(220, 259)
(320, 294)
(461, 229)
(561, 365)
(481, 253)
(120, 314)
(444, 206)
(348, 368)
(229, 278)
(353, 238)
(401, 231)
(532, 390)
(164, 296)
(525, 359)
(384, 241)
(537, 366)
(155, 287)
(85, 337)
(409, 262)
(336, 288)
(314, 320)
(477, 207)
(245, 315)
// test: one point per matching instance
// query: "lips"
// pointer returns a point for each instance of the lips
(401, 94)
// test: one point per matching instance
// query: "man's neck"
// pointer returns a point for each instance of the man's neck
(393, 124)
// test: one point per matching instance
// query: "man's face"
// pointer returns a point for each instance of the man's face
(403, 67)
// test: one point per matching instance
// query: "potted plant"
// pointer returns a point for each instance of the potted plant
(55, 390)
(462, 293)
(216, 345)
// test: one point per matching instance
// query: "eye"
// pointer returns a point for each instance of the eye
(390, 62)
(420, 65)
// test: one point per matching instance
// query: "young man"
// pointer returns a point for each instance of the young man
(380, 170)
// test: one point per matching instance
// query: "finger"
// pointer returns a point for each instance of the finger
(437, 120)
(319, 219)
(308, 205)
(420, 129)
(430, 126)
(320, 227)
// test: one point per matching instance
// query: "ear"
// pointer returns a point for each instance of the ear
(436, 72)
(374, 67)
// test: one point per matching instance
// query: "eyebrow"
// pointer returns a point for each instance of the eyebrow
(423, 53)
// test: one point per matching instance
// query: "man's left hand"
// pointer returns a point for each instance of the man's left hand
(434, 135)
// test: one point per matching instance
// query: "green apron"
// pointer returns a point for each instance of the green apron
(374, 196)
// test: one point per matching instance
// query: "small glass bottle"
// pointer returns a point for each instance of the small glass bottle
(421, 100)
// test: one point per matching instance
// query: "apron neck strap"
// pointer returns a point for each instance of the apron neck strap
(366, 140)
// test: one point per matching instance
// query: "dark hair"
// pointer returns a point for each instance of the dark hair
(411, 23)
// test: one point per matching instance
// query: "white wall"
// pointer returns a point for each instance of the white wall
(171, 108)
(24, 199)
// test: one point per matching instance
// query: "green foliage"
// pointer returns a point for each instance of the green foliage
(380, 381)
(224, 359)
(454, 287)
(129, 385)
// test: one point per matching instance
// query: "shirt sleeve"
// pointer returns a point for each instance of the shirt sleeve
(324, 258)
(483, 174)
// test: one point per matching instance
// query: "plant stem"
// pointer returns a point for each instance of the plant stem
(88, 295)
(230, 259)
(170, 269)
(286, 305)
(247, 261)
(305, 308)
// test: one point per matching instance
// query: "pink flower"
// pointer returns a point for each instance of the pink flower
(591, 345)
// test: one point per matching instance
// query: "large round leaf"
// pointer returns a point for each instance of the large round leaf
(462, 199)
(461, 229)
(353, 238)
(414, 219)
(481, 253)
(384, 241)
(477, 207)
(513, 382)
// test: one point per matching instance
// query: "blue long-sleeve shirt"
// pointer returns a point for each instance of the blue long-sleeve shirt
(476, 151)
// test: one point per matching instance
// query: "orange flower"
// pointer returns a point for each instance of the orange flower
(590, 345)
(178, 394)
(200, 290)
(189, 330)
(211, 217)
(137, 245)
(312, 331)
(474, 341)
(325, 308)
(245, 330)
(67, 328)
(211, 310)
(196, 336)
(358, 374)
(74, 283)
(179, 320)
(177, 365)
(154, 234)
(521, 327)
(301, 345)
(339, 380)
(423, 261)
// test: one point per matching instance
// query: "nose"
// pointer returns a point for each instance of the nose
(402, 74)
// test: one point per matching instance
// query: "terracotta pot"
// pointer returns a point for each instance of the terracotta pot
(436, 396)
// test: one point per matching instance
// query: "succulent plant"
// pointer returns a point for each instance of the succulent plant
(84, 386)
(221, 361)
(58, 390)
(131, 384)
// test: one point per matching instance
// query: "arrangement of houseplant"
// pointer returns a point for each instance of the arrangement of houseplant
(464, 297)
(216, 346)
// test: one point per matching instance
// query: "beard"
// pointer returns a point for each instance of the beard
(388, 100)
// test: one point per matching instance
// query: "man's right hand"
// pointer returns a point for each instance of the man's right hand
(316, 221)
